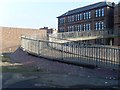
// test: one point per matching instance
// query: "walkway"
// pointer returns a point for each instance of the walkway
(57, 74)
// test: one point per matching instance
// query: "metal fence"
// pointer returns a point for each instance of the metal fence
(83, 34)
(98, 55)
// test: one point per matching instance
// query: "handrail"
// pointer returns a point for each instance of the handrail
(81, 34)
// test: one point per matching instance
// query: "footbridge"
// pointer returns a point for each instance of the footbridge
(81, 35)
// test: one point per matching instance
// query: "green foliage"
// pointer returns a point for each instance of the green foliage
(4, 58)
(20, 69)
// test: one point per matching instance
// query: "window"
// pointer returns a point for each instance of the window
(84, 16)
(72, 18)
(89, 27)
(62, 20)
(68, 28)
(80, 16)
(84, 27)
(77, 27)
(68, 18)
(72, 28)
(99, 25)
(80, 26)
(96, 13)
(96, 25)
(103, 12)
(62, 29)
(89, 15)
(76, 17)
(102, 25)
(99, 12)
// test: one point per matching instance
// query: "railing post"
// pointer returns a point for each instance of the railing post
(96, 49)
(119, 60)
(62, 51)
(38, 47)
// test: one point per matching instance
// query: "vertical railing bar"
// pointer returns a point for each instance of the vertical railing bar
(106, 56)
(109, 61)
(114, 57)
(96, 55)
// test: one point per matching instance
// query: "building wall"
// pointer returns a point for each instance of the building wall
(117, 24)
(10, 37)
(106, 22)
(108, 19)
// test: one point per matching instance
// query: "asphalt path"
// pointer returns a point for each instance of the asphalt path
(58, 74)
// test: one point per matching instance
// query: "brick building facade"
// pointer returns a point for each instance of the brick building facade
(117, 24)
(95, 17)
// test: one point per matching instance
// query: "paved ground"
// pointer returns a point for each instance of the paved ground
(55, 74)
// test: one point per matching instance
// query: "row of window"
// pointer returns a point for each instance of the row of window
(99, 25)
(80, 27)
(84, 27)
(87, 27)
(87, 15)
(74, 28)
(77, 17)
(81, 16)
(99, 12)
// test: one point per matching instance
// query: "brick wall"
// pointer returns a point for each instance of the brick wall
(117, 24)
(10, 37)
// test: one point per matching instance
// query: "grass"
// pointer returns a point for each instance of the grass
(4, 58)
(21, 69)
(17, 68)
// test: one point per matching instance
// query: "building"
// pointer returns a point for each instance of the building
(92, 18)
(49, 30)
(117, 24)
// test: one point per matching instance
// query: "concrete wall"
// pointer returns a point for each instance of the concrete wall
(10, 37)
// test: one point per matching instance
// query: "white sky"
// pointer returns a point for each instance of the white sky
(37, 13)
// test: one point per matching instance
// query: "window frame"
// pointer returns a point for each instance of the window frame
(89, 14)
(84, 15)
(103, 12)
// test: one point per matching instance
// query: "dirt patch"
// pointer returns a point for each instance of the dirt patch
(9, 64)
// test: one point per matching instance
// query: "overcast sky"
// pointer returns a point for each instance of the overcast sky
(37, 13)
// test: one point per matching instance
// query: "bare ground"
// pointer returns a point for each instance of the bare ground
(54, 74)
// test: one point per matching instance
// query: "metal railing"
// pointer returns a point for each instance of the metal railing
(84, 34)
(98, 55)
